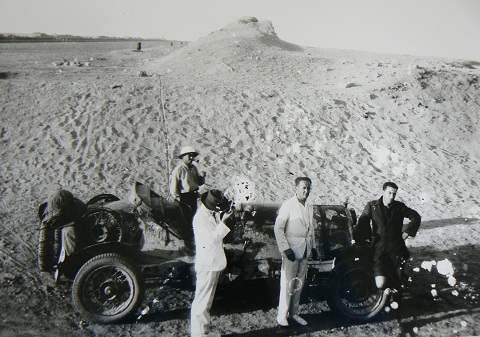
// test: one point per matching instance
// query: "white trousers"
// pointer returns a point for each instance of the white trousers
(200, 310)
(292, 280)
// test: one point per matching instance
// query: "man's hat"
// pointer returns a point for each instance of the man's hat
(214, 200)
(186, 150)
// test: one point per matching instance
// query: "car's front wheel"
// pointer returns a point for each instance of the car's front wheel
(352, 292)
(107, 288)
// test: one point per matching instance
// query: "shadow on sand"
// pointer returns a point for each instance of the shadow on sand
(447, 222)
(419, 307)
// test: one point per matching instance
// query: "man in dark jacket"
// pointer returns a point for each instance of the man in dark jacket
(387, 235)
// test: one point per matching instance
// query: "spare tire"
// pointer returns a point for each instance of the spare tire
(47, 247)
(105, 225)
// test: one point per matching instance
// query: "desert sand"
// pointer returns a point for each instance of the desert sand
(259, 110)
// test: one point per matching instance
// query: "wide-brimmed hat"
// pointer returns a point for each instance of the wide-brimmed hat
(186, 150)
(214, 200)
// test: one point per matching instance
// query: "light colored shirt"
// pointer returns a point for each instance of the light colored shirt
(185, 179)
(293, 227)
(209, 232)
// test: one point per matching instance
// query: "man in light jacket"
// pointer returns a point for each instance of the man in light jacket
(295, 239)
(209, 229)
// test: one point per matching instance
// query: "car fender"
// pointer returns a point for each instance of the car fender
(353, 255)
(72, 263)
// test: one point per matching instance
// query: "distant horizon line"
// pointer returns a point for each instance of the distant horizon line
(5, 37)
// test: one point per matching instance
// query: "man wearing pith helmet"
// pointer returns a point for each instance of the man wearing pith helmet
(186, 179)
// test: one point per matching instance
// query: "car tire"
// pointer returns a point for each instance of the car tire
(351, 292)
(47, 248)
(107, 288)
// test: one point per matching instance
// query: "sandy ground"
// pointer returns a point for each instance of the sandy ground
(260, 110)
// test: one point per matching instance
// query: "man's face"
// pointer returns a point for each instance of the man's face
(302, 190)
(188, 158)
(389, 194)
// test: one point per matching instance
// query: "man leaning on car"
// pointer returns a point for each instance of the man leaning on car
(381, 224)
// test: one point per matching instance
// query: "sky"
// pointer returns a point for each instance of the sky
(437, 28)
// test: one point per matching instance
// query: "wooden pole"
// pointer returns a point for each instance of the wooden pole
(164, 128)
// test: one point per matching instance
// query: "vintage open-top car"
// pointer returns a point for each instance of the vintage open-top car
(110, 246)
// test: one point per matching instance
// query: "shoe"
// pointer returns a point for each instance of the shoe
(298, 320)
(282, 322)
(213, 334)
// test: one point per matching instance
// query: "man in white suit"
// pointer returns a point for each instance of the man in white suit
(295, 239)
(209, 229)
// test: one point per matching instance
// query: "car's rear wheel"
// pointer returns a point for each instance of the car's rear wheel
(352, 292)
(107, 288)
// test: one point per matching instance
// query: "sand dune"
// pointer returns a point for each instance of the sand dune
(259, 109)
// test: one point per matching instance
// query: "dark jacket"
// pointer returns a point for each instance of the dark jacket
(385, 233)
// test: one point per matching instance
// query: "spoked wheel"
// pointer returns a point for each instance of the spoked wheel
(352, 292)
(107, 288)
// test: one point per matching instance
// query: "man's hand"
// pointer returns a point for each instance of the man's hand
(290, 254)
(405, 236)
(203, 174)
(315, 255)
(226, 216)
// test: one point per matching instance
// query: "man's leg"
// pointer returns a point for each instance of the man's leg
(388, 277)
(67, 242)
(380, 281)
(288, 273)
(191, 199)
(380, 273)
(297, 286)
(200, 310)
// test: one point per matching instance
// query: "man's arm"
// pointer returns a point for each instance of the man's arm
(362, 231)
(204, 235)
(279, 228)
(174, 185)
(415, 219)
(200, 176)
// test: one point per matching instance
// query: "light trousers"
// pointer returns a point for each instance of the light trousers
(292, 280)
(200, 310)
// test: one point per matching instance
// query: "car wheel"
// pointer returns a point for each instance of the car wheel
(352, 292)
(107, 288)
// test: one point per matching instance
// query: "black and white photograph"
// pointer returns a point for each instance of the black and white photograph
(252, 168)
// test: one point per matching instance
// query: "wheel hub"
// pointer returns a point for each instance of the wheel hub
(358, 292)
(109, 291)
